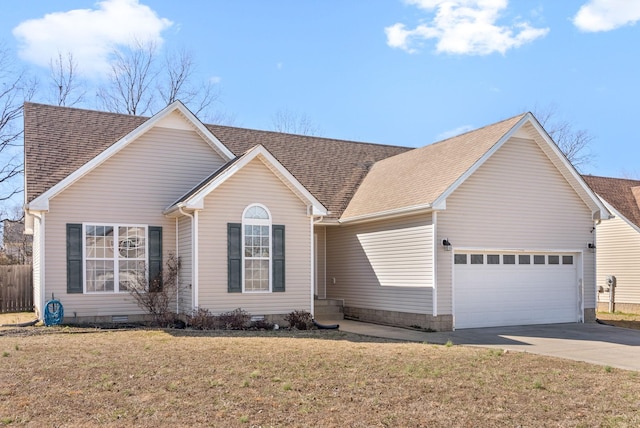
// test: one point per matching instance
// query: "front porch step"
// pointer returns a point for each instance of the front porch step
(330, 309)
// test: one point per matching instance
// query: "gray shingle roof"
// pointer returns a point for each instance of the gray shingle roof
(621, 193)
(59, 140)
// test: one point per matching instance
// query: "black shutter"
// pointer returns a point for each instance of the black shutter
(74, 258)
(277, 258)
(155, 258)
(234, 256)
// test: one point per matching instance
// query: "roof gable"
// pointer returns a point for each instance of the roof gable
(621, 193)
(60, 140)
(423, 179)
(175, 115)
(194, 199)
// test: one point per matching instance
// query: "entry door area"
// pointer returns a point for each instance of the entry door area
(500, 289)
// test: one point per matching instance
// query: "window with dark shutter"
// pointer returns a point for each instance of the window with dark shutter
(155, 258)
(278, 258)
(74, 258)
(234, 257)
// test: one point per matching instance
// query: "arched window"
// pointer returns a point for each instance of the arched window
(256, 238)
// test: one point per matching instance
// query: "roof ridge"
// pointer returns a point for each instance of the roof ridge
(315, 137)
(78, 109)
(612, 178)
(471, 131)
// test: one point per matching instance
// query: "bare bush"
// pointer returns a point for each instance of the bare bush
(301, 320)
(157, 296)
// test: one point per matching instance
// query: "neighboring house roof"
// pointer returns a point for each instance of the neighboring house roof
(194, 199)
(60, 140)
(621, 193)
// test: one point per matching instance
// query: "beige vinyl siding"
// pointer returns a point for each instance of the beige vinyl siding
(132, 187)
(618, 254)
(384, 265)
(254, 184)
(37, 272)
(320, 265)
(517, 200)
(186, 264)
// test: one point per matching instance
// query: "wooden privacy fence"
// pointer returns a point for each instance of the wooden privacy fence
(16, 288)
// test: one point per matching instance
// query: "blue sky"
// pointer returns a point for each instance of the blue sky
(387, 71)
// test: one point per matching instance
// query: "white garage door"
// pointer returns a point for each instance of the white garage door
(499, 289)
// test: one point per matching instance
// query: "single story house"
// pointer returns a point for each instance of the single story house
(618, 244)
(489, 228)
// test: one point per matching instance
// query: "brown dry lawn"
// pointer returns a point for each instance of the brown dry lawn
(61, 376)
(621, 319)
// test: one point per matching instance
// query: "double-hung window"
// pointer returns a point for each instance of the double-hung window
(115, 257)
(255, 253)
(112, 258)
(256, 227)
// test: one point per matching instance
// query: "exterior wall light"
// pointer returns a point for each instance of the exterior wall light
(592, 247)
(446, 244)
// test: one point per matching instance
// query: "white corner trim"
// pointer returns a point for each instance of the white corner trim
(41, 203)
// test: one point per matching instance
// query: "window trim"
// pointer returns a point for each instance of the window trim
(116, 259)
(261, 222)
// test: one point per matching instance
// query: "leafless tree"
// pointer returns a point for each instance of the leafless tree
(177, 83)
(130, 81)
(15, 88)
(66, 85)
(575, 144)
(293, 123)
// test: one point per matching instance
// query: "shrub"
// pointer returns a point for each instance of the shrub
(261, 325)
(202, 319)
(157, 296)
(237, 319)
(299, 319)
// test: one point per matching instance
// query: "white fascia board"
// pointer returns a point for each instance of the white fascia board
(196, 201)
(604, 213)
(443, 197)
(203, 130)
(41, 203)
(399, 212)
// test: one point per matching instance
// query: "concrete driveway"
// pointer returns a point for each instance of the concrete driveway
(590, 342)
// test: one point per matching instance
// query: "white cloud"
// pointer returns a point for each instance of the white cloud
(465, 27)
(454, 132)
(606, 15)
(89, 34)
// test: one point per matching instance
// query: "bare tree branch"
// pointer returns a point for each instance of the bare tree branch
(293, 123)
(178, 84)
(15, 88)
(575, 144)
(130, 79)
(66, 87)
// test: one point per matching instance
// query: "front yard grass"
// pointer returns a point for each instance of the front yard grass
(620, 319)
(62, 376)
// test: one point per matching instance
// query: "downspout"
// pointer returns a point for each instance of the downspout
(40, 218)
(194, 255)
(313, 259)
(177, 258)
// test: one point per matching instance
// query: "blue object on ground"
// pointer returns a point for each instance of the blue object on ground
(53, 313)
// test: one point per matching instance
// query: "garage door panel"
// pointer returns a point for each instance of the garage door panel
(497, 295)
